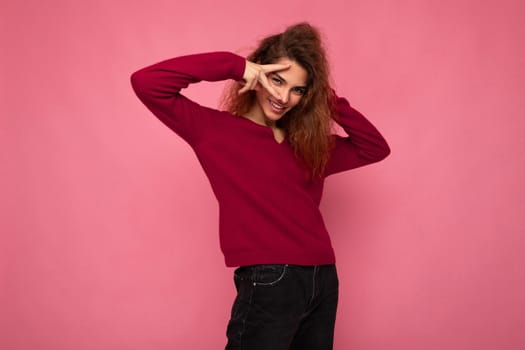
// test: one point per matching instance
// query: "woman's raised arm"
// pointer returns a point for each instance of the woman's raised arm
(158, 86)
(363, 145)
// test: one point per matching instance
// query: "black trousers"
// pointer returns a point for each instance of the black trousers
(283, 307)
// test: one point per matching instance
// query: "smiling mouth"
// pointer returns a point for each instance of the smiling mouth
(276, 107)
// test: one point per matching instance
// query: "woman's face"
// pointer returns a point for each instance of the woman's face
(289, 83)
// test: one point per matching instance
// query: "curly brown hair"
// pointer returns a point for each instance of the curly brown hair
(309, 124)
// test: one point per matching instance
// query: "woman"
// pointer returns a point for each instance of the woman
(266, 157)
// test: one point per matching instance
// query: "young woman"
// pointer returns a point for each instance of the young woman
(266, 157)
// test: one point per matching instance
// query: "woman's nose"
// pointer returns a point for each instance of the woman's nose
(284, 96)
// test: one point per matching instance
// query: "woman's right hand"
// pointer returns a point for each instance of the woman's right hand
(255, 74)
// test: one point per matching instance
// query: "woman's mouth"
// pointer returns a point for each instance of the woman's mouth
(276, 108)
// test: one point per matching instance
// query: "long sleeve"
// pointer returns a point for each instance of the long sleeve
(158, 86)
(363, 145)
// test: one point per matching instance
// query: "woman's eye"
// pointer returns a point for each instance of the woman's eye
(299, 91)
(276, 81)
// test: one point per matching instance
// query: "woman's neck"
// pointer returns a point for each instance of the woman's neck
(256, 115)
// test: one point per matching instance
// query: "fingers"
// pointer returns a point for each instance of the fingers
(245, 88)
(255, 74)
(269, 68)
(248, 85)
(264, 82)
(254, 85)
(274, 67)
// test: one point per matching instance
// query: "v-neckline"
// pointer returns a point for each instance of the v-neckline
(268, 128)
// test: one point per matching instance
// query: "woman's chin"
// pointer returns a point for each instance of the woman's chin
(273, 116)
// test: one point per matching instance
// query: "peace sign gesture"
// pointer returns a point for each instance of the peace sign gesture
(255, 74)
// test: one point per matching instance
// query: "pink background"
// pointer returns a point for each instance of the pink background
(109, 225)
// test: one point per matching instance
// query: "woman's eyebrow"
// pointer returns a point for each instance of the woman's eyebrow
(284, 80)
